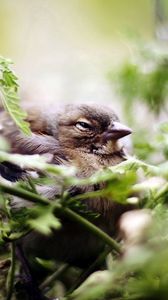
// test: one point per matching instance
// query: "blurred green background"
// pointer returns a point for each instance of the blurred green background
(65, 50)
(62, 49)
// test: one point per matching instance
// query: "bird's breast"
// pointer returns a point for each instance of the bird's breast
(89, 163)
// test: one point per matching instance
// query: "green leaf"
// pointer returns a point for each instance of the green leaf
(10, 97)
(44, 220)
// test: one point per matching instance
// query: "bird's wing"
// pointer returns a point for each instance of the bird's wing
(39, 142)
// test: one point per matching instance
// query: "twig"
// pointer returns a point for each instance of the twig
(90, 270)
(11, 273)
(92, 228)
(21, 193)
(54, 276)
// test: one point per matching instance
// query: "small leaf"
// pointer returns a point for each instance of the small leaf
(45, 220)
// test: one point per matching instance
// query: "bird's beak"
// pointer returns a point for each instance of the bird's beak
(116, 131)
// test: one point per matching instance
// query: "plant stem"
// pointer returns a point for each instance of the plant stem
(163, 191)
(92, 228)
(64, 211)
(90, 270)
(11, 273)
(54, 276)
(21, 193)
(32, 185)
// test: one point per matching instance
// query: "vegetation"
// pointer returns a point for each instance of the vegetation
(136, 268)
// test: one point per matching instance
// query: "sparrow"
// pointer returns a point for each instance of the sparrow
(86, 136)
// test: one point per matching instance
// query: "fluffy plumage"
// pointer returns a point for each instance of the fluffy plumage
(86, 136)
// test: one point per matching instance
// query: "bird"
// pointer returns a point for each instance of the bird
(86, 136)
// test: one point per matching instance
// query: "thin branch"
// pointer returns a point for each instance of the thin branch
(46, 283)
(21, 193)
(99, 260)
(11, 273)
(92, 228)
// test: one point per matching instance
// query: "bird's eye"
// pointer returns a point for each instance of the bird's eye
(83, 126)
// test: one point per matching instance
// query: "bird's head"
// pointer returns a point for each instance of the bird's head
(90, 128)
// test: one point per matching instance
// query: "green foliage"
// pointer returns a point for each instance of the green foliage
(142, 85)
(43, 220)
(9, 93)
(144, 79)
(128, 279)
